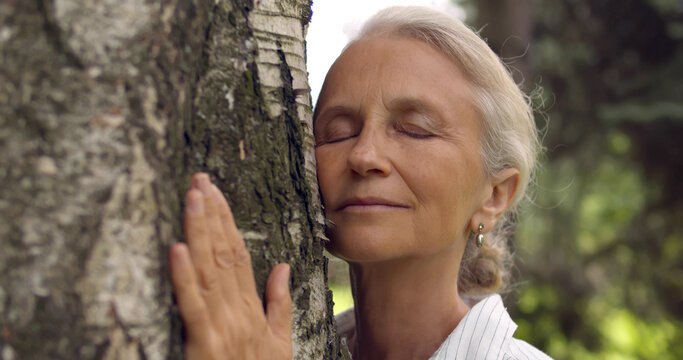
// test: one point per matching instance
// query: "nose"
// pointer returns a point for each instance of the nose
(368, 155)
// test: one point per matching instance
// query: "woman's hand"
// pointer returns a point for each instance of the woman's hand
(215, 289)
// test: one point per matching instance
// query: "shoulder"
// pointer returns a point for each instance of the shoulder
(486, 332)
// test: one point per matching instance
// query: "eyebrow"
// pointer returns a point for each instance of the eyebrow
(400, 104)
(419, 105)
(412, 103)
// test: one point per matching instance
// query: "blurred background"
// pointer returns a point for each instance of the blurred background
(599, 270)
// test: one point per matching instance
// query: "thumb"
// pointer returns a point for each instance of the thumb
(279, 302)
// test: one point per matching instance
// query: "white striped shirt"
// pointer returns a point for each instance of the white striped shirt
(485, 333)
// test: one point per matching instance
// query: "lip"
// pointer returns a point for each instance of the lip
(370, 203)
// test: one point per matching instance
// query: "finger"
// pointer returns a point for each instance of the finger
(192, 308)
(227, 220)
(279, 303)
(196, 178)
(241, 257)
(223, 255)
(197, 235)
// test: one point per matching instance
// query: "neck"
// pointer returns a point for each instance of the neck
(405, 308)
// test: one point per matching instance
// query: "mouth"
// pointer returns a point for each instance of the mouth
(370, 203)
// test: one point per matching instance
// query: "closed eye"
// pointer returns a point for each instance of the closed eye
(334, 140)
(414, 123)
(336, 129)
(414, 131)
(416, 135)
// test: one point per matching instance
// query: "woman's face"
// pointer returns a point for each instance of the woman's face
(397, 151)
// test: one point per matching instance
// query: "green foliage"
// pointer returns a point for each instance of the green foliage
(343, 300)
(339, 283)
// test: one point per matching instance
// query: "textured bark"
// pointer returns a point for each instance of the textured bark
(106, 109)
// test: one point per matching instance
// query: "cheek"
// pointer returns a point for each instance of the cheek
(447, 188)
(326, 168)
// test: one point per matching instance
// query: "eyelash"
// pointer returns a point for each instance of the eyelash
(333, 141)
(421, 134)
(411, 134)
(415, 135)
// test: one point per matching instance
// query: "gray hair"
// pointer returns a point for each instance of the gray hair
(509, 134)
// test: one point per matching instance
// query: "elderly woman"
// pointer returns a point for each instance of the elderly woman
(424, 146)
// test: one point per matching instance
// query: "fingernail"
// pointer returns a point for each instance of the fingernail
(205, 184)
(195, 203)
(194, 182)
(179, 258)
(200, 179)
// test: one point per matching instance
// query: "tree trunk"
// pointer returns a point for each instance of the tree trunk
(507, 27)
(106, 109)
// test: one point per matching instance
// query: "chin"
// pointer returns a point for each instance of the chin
(366, 245)
(362, 247)
(355, 255)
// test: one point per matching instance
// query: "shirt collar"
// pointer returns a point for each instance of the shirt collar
(482, 334)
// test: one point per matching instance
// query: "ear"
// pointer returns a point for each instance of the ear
(499, 194)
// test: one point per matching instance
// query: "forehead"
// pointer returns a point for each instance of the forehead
(384, 68)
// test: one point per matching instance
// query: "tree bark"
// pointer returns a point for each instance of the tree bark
(106, 109)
